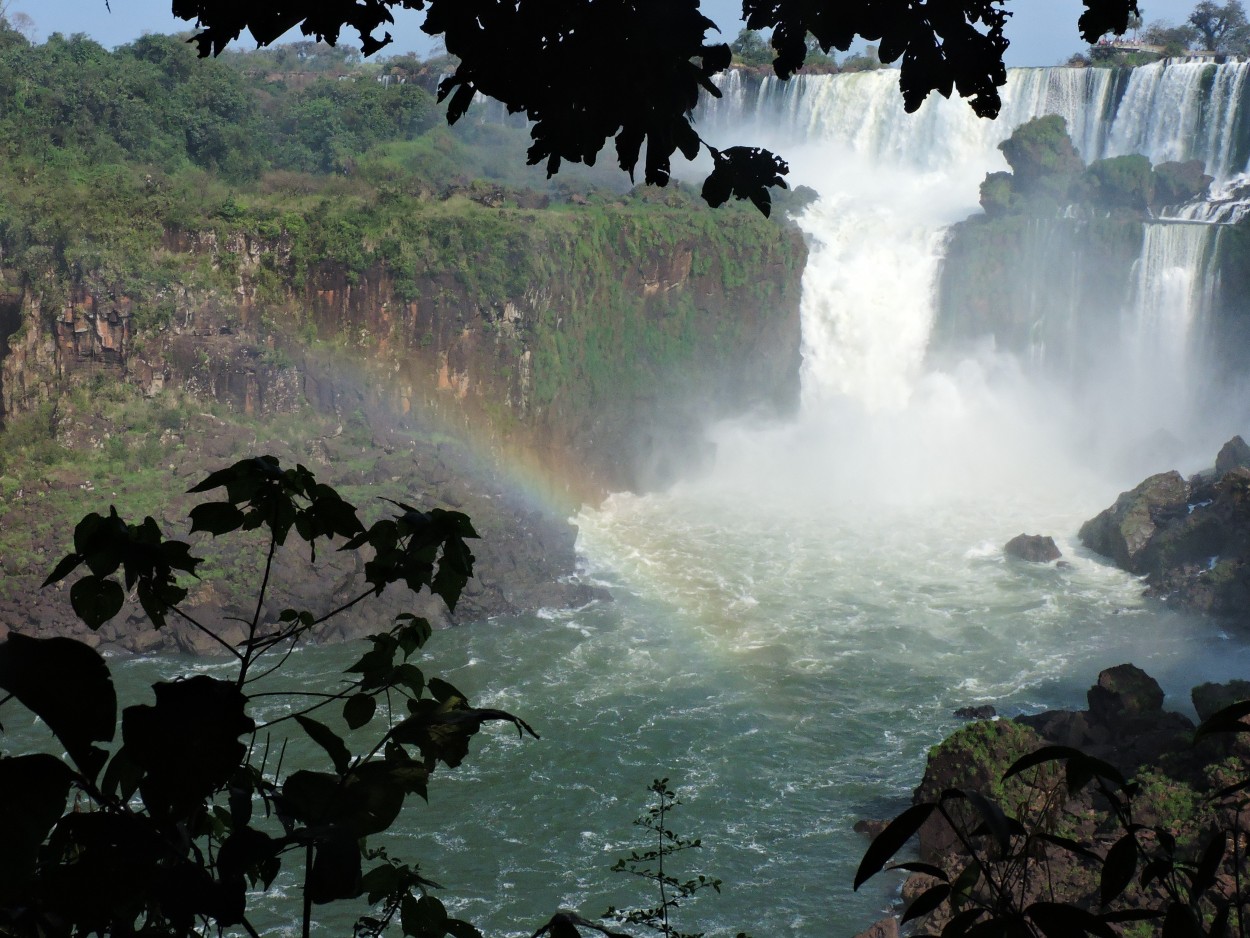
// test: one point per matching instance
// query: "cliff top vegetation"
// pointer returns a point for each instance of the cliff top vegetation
(577, 93)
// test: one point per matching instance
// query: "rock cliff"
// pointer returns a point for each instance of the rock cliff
(582, 350)
(599, 342)
(1190, 538)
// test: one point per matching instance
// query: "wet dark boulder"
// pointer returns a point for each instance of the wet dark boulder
(982, 712)
(1201, 560)
(1035, 548)
(1125, 724)
(1190, 539)
(1124, 531)
(1124, 692)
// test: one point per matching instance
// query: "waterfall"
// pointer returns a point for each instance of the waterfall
(1170, 110)
(891, 184)
(1165, 320)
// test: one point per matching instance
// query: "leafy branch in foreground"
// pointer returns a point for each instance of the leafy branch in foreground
(172, 831)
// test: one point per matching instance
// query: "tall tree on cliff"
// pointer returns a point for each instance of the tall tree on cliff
(632, 70)
(1221, 25)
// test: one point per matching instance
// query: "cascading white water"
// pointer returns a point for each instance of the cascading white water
(1163, 319)
(891, 182)
(1182, 111)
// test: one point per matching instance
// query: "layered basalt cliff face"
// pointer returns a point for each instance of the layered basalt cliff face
(598, 343)
(593, 345)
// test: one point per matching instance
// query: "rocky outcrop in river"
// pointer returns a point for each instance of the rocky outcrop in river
(1190, 538)
(1126, 725)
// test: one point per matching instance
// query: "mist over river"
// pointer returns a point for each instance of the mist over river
(792, 629)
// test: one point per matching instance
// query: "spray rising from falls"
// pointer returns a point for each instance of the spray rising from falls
(890, 186)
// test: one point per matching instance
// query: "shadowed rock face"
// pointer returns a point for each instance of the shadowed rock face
(1123, 693)
(1190, 538)
(597, 347)
(1235, 454)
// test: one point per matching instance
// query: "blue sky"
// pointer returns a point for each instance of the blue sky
(1042, 32)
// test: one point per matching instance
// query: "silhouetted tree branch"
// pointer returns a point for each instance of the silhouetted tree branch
(632, 70)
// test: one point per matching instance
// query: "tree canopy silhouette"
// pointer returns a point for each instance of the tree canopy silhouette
(632, 70)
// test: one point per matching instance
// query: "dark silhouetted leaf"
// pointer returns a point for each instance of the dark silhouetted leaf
(1057, 920)
(744, 173)
(69, 563)
(1209, 864)
(122, 777)
(380, 882)
(1072, 846)
(959, 926)
(188, 743)
(216, 518)
(926, 902)
(995, 819)
(245, 852)
(335, 872)
(68, 686)
(891, 840)
(33, 791)
(1119, 869)
(358, 710)
(1106, 16)
(96, 600)
(324, 737)
(1154, 870)
(1228, 720)
(309, 796)
(1180, 922)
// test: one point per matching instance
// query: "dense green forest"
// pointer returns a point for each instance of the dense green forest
(105, 150)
